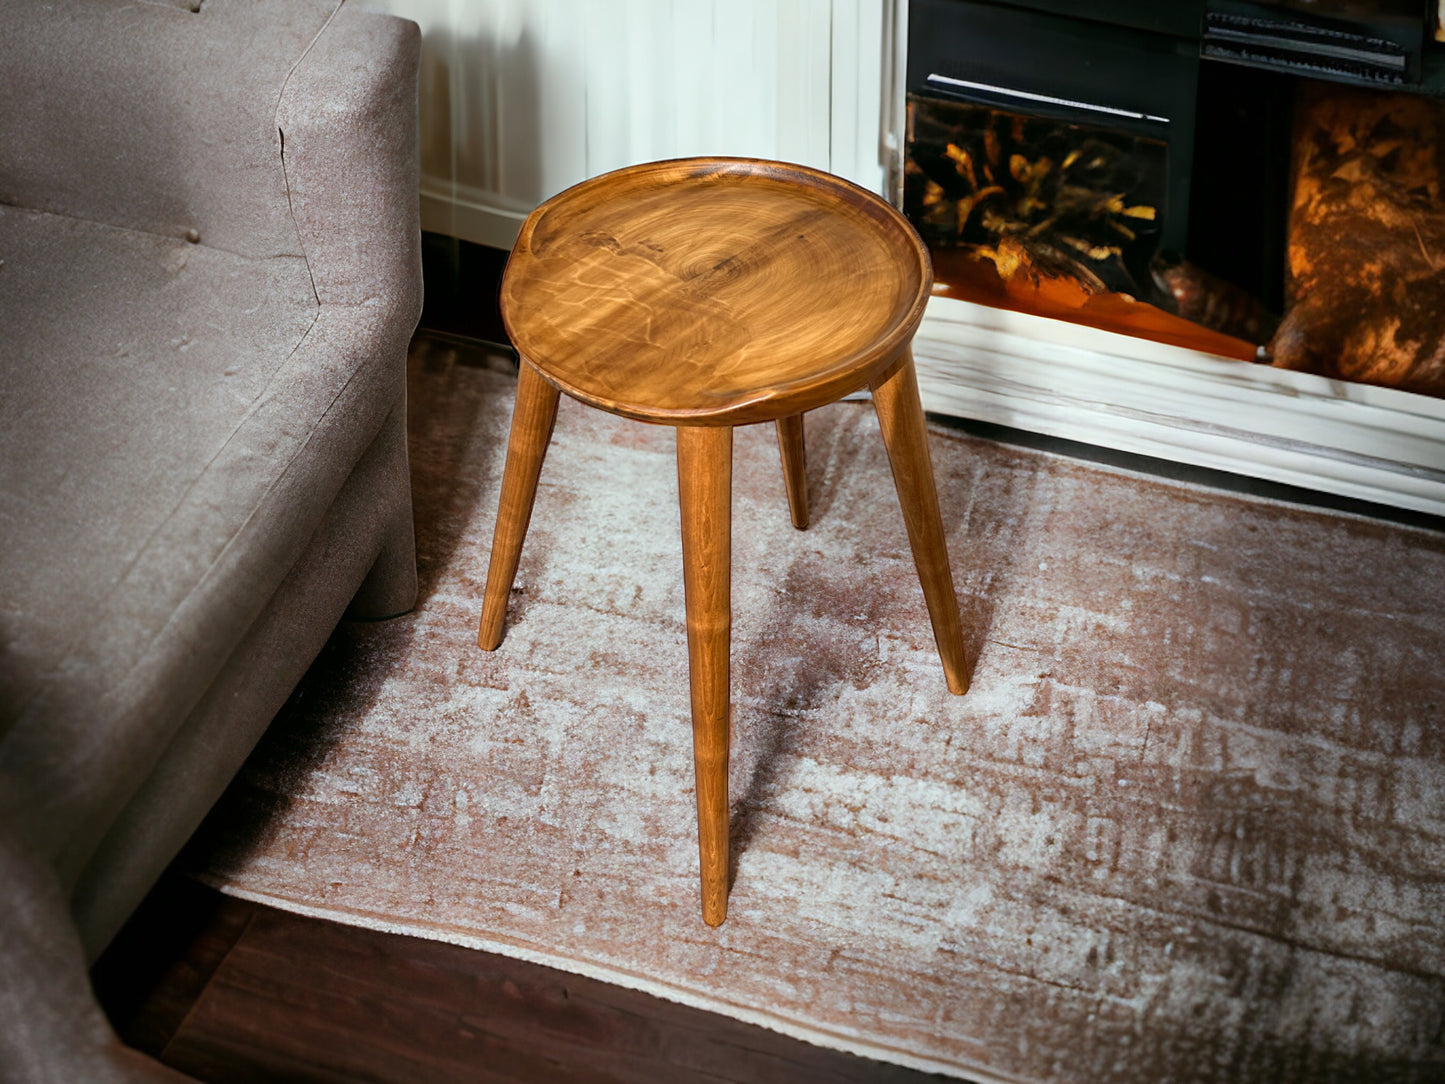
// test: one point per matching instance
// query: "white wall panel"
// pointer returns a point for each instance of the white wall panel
(521, 98)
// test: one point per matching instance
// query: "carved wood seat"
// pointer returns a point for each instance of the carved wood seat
(703, 294)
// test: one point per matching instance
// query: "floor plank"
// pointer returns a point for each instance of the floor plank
(258, 994)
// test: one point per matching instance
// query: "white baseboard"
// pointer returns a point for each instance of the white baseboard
(470, 214)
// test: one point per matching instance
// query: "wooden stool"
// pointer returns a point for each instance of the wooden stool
(703, 294)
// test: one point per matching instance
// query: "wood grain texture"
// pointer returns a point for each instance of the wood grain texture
(151, 975)
(704, 489)
(533, 417)
(793, 452)
(714, 291)
(304, 1000)
(1187, 826)
(900, 417)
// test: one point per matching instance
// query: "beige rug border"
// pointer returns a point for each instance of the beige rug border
(520, 950)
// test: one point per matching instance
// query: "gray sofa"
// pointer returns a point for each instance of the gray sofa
(209, 274)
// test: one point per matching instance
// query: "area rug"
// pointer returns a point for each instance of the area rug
(1188, 824)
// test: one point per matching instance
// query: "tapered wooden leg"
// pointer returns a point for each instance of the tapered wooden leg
(900, 415)
(795, 467)
(533, 416)
(704, 489)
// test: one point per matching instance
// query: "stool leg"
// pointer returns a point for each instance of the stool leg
(533, 416)
(900, 416)
(795, 469)
(704, 489)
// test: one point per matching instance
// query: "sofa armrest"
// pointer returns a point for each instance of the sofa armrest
(349, 146)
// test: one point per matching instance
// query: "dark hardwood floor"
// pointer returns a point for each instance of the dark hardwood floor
(231, 991)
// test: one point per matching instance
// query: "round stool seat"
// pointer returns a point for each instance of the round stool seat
(714, 291)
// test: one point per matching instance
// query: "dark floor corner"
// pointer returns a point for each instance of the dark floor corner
(157, 967)
(462, 281)
(231, 991)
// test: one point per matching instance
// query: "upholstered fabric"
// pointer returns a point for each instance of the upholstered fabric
(209, 272)
(154, 118)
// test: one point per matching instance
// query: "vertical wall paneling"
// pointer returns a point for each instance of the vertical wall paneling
(893, 85)
(798, 54)
(861, 102)
(605, 61)
(563, 116)
(693, 72)
(521, 98)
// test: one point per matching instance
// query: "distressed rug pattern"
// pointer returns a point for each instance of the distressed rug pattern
(1188, 825)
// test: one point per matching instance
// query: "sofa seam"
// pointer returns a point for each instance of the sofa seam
(140, 232)
(281, 135)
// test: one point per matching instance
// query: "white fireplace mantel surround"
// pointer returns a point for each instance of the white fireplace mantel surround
(521, 98)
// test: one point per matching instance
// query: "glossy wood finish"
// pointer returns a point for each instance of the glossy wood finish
(704, 490)
(707, 293)
(714, 291)
(532, 420)
(900, 416)
(795, 467)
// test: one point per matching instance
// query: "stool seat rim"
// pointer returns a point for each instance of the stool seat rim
(789, 394)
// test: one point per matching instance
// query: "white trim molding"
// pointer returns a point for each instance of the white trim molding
(472, 214)
(1117, 391)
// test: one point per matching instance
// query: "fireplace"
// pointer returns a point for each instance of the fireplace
(1108, 201)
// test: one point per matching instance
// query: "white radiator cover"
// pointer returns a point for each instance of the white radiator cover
(522, 98)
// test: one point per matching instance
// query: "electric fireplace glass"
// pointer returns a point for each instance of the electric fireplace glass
(1042, 200)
